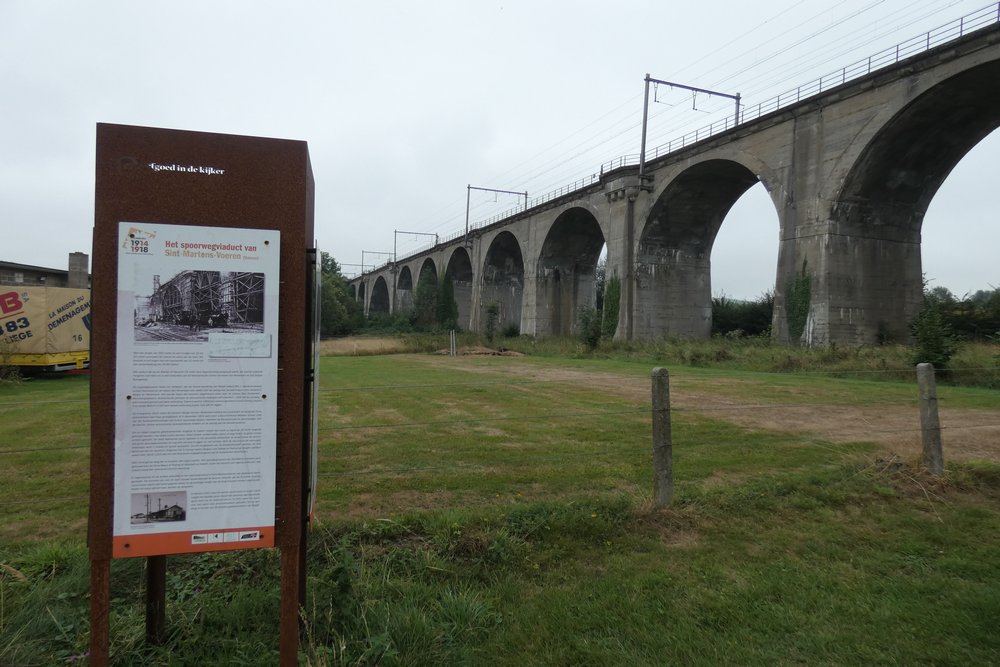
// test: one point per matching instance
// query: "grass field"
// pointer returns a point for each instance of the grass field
(497, 510)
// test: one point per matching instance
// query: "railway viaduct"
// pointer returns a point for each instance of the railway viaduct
(851, 167)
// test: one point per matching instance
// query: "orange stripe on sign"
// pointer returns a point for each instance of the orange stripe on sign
(191, 541)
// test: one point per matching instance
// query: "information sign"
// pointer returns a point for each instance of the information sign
(195, 389)
(199, 440)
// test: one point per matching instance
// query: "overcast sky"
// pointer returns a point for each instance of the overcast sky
(405, 103)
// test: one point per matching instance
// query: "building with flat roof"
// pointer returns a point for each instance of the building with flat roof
(77, 274)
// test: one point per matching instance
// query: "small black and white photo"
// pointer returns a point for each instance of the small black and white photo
(158, 507)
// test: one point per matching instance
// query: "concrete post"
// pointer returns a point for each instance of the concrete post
(930, 425)
(663, 446)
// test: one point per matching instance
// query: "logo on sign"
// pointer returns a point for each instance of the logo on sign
(137, 241)
(10, 302)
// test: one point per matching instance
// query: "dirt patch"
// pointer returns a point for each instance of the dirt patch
(966, 434)
(676, 528)
(480, 351)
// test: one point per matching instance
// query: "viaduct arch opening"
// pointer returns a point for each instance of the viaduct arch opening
(744, 264)
(503, 282)
(459, 271)
(879, 214)
(379, 304)
(404, 291)
(567, 272)
(955, 213)
(425, 301)
(673, 260)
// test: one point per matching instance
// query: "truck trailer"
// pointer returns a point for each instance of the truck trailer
(44, 329)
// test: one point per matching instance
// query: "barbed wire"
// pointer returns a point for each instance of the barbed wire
(34, 501)
(478, 420)
(835, 373)
(67, 401)
(636, 412)
(42, 449)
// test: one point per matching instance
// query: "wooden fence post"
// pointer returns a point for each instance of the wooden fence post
(663, 446)
(930, 425)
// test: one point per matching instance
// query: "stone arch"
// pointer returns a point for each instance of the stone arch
(379, 304)
(354, 291)
(425, 298)
(362, 297)
(566, 271)
(673, 276)
(459, 271)
(502, 282)
(428, 271)
(878, 214)
(404, 291)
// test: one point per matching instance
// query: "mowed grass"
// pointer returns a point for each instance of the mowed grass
(470, 432)
(44, 458)
(486, 510)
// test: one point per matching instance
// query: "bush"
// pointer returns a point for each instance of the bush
(933, 339)
(425, 305)
(447, 307)
(736, 318)
(590, 327)
(798, 296)
(492, 317)
(610, 306)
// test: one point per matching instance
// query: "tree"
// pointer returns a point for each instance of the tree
(600, 282)
(611, 305)
(940, 296)
(340, 314)
(933, 339)
(425, 304)
(447, 307)
(737, 317)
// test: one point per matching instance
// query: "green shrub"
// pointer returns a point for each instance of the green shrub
(492, 318)
(447, 307)
(610, 307)
(735, 318)
(798, 295)
(589, 321)
(933, 339)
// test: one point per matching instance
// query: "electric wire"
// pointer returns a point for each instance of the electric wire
(566, 163)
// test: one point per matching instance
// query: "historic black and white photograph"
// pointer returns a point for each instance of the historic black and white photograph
(191, 304)
(159, 507)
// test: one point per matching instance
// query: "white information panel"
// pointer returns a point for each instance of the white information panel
(195, 388)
